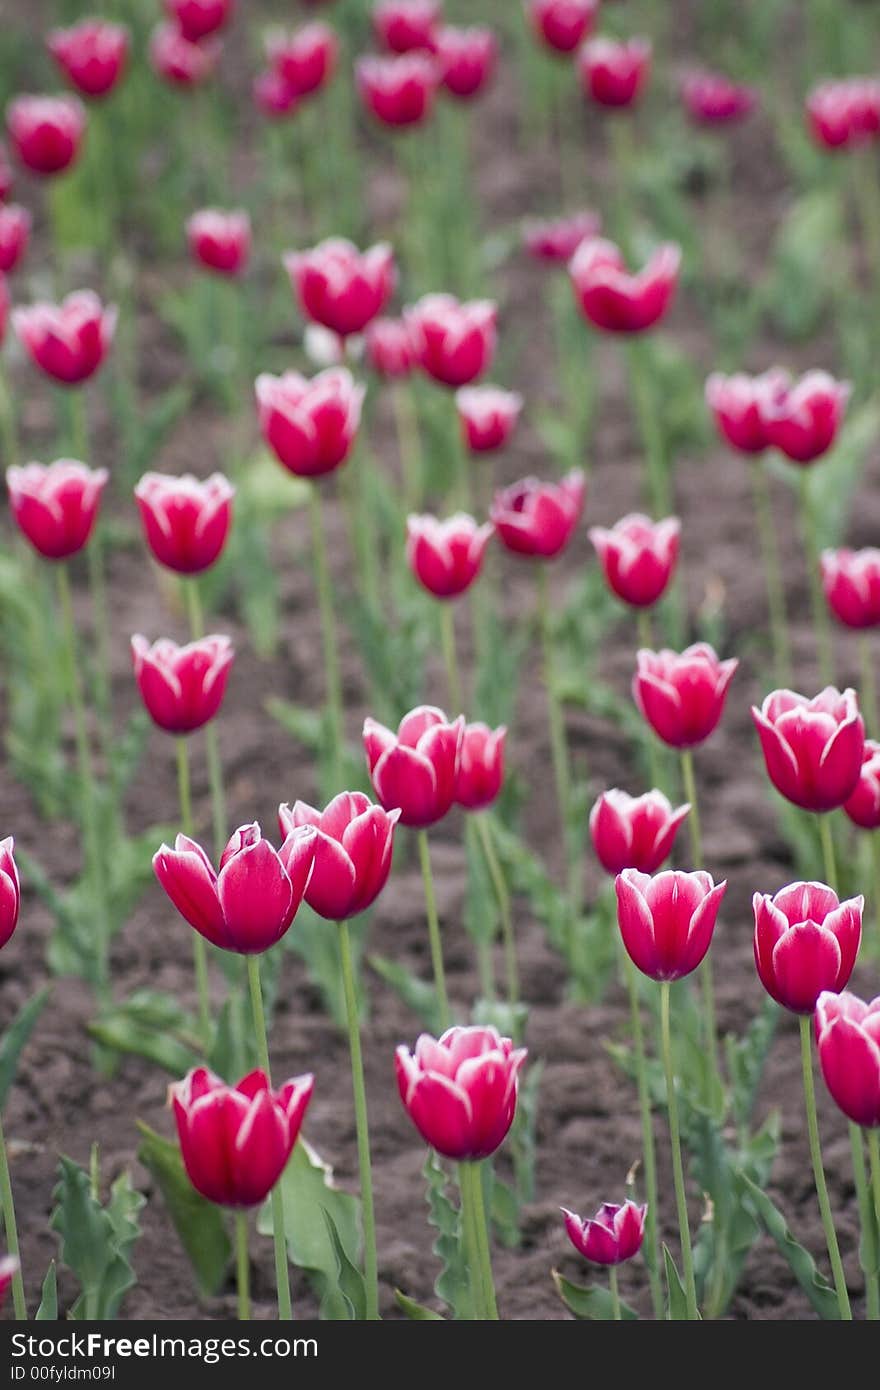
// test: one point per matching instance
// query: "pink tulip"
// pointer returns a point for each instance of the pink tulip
(539, 519)
(735, 403)
(311, 425)
(460, 1090)
(454, 342)
(613, 1235)
(562, 24)
(196, 19)
(274, 97)
(446, 556)
(341, 287)
(667, 921)
(803, 418)
(844, 114)
(353, 848)
(682, 695)
(466, 59)
(488, 416)
(638, 557)
(305, 59)
(220, 241)
(415, 769)
(92, 55)
(863, 804)
(398, 91)
(612, 73)
(56, 506)
(8, 1269)
(848, 1034)
(46, 132)
(67, 341)
(186, 521)
(806, 941)
(480, 767)
(851, 580)
(634, 832)
(401, 26)
(557, 240)
(10, 890)
(389, 348)
(712, 99)
(15, 228)
(615, 300)
(182, 687)
(812, 749)
(179, 61)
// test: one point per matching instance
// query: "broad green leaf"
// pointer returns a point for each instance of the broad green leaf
(677, 1310)
(813, 1282)
(14, 1040)
(198, 1223)
(592, 1302)
(746, 1057)
(48, 1309)
(418, 995)
(417, 1312)
(152, 1025)
(350, 1280)
(96, 1241)
(453, 1282)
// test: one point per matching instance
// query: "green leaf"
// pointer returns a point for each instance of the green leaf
(746, 1057)
(349, 1279)
(453, 1282)
(677, 1309)
(593, 1303)
(48, 1309)
(15, 1037)
(416, 1311)
(152, 1025)
(198, 1223)
(418, 995)
(813, 1282)
(96, 1241)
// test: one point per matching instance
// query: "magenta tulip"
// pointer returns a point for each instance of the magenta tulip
(402, 26)
(220, 241)
(46, 132)
(178, 60)
(539, 519)
(15, 229)
(812, 748)
(488, 416)
(56, 506)
(454, 341)
(196, 19)
(562, 24)
(613, 1235)
(634, 832)
(310, 425)
(185, 521)
(415, 770)
(851, 580)
(389, 348)
(682, 695)
(446, 556)
(182, 687)
(353, 848)
(863, 804)
(92, 55)
(712, 99)
(480, 767)
(10, 890)
(557, 240)
(848, 1035)
(398, 91)
(666, 921)
(614, 74)
(466, 59)
(638, 557)
(615, 300)
(67, 341)
(339, 286)
(803, 418)
(806, 941)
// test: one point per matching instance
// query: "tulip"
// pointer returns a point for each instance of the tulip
(615, 300)
(311, 425)
(638, 557)
(480, 767)
(844, 114)
(806, 941)
(803, 418)
(235, 1141)
(9, 1267)
(558, 239)
(46, 132)
(682, 695)
(454, 341)
(248, 906)
(341, 287)
(467, 59)
(634, 832)
(488, 416)
(353, 848)
(220, 241)
(535, 518)
(10, 1270)
(4, 306)
(735, 403)
(389, 348)
(460, 1090)
(196, 19)
(848, 1034)
(666, 921)
(851, 580)
(614, 74)
(403, 25)
(7, 177)
(185, 521)
(562, 24)
(178, 60)
(56, 506)
(813, 749)
(711, 99)
(68, 341)
(273, 96)
(863, 804)
(415, 769)
(613, 1235)
(15, 227)
(182, 687)
(92, 55)
(398, 91)
(305, 59)
(446, 556)
(10, 890)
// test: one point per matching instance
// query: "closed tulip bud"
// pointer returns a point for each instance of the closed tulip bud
(851, 580)
(557, 240)
(467, 59)
(398, 91)
(46, 132)
(305, 59)
(803, 418)
(415, 769)
(667, 921)
(274, 97)
(735, 403)
(710, 98)
(812, 749)
(186, 521)
(638, 557)
(615, 300)
(460, 1090)
(454, 341)
(251, 902)
(389, 348)
(354, 841)
(480, 767)
(446, 556)
(848, 1034)
(196, 19)
(220, 241)
(310, 425)
(614, 74)
(339, 286)
(863, 805)
(562, 24)
(8, 1269)
(539, 519)
(67, 341)
(614, 1235)
(488, 416)
(682, 695)
(56, 506)
(182, 687)
(180, 61)
(92, 55)
(634, 832)
(844, 114)
(235, 1141)
(7, 178)
(15, 228)
(403, 25)
(806, 941)
(10, 890)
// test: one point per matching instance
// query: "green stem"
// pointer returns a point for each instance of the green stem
(481, 1231)
(18, 1299)
(868, 1224)
(652, 1255)
(819, 1171)
(8, 441)
(194, 608)
(193, 599)
(827, 838)
(648, 414)
(450, 661)
(371, 1268)
(242, 1266)
(328, 634)
(200, 952)
(874, 1155)
(620, 130)
(867, 197)
(409, 445)
(868, 693)
(434, 930)
(772, 572)
(821, 620)
(646, 640)
(471, 1244)
(502, 895)
(677, 1166)
(711, 1031)
(556, 723)
(615, 1292)
(282, 1272)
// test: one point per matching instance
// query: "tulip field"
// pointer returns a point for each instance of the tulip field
(439, 613)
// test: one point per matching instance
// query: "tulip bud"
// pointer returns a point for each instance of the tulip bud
(404, 25)
(415, 769)
(354, 841)
(638, 557)
(803, 418)
(614, 74)
(812, 749)
(613, 1235)
(220, 241)
(92, 55)
(558, 239)
(446, 556)
(467, 59)
(535, 518)
(711, 99)
(562, 24)
(176, 59)
(634, 832)
(197, 18)
(15, 227)
(848, 1034)
(615, 300)
(305, 59)
(667, 921)
(46, 132)
(339, 286)
(806, 941)
(311, 426)
(682, 695)
(56, 506)
(398, 91)
(235, 1141)
(9, 1267)
(182, 687)
(863, 804)
(851, 580)
(488, 416)
(10, 890)
(454, 341)
(735, 404)
(389, 348)
(480, 767)
(460, 1090)
(68, 341)
(185, 521)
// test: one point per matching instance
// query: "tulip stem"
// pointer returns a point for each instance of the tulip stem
(868, 1222)
(827, 839)
(706, 974)
(874, 1155)
(819, 1171)
(434, 930)
(371, 1267)
(502, 894)
(242, 1266)
(328, 634)
(615, 1292)
(875, 862)
(558, 746)
(200, 953)
(677, 1166)
(8, 441)
(409, 445)
(821, 621)
(868, 692)
(471, 1243)
(772, 572)
(651, 431)
(282, 1271)
(79, 449)
(481, 1238)
(447, 635)
(652, 1259)
(18, 1299)
(646, 640)
(212, 742)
